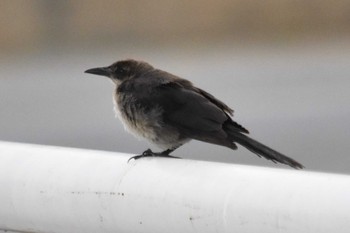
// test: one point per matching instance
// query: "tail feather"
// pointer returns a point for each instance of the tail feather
(263, 151)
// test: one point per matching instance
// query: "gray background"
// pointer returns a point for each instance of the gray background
(291, 93)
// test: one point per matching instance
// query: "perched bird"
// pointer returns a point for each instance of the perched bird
(170, 111)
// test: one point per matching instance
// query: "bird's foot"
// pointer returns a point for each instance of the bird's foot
(150, 153)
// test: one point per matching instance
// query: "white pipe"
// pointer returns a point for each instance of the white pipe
(52, 189)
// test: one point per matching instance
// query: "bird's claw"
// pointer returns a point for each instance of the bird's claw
(146, 153)
(149, 153)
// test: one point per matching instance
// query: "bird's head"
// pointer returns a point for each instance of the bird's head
(121, 70)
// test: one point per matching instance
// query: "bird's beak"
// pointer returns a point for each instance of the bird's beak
(104, 71)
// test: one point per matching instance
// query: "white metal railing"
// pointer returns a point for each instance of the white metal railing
(53, 189)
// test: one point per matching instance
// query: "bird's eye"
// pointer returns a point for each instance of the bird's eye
(121, 70)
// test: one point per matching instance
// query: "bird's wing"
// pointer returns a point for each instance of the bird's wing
(214, 100)
(189, 109)
(194, 112)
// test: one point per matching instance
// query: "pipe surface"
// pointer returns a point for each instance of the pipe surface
(65, 190)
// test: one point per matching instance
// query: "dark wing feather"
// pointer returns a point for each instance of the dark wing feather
(219, 106)
(214, 100)
(189, 109)
(194, 112)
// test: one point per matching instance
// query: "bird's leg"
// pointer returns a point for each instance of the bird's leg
(149, 153)
(166, 154)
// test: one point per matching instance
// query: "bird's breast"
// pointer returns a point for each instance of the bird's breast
(134, 117)
(145, 123)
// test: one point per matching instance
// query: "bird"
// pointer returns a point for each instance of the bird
(170, 111)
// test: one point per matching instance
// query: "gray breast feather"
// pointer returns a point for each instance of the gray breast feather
(145, 123)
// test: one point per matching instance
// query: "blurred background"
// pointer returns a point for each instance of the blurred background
(283, 66)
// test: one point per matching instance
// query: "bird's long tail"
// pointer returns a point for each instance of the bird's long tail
(263, 151)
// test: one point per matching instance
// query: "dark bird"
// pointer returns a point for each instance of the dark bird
(170, 111)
